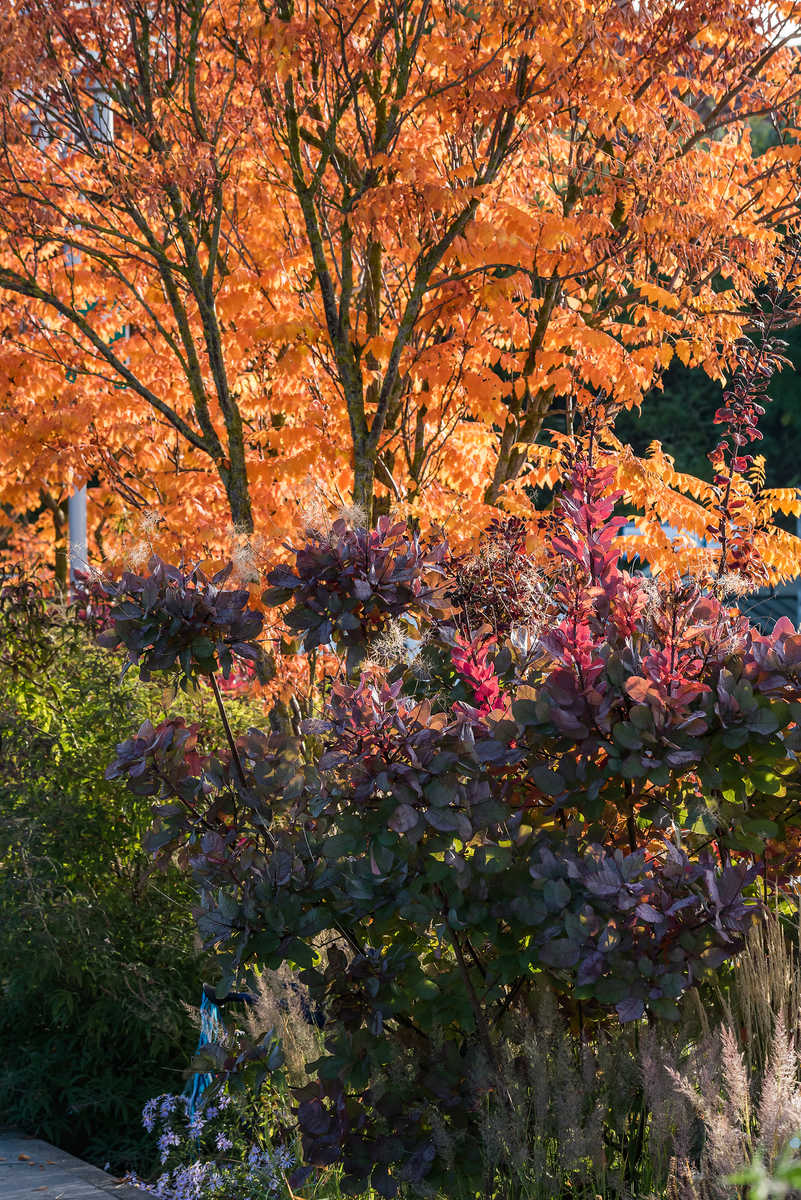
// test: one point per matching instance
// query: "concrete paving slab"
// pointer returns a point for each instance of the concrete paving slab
(31, 1169)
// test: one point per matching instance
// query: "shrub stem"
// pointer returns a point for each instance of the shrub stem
(228, 732)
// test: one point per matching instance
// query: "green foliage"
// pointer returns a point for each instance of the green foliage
(763, 1184)
(98, 953)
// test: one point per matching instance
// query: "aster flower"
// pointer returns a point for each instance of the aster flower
(167, 1140)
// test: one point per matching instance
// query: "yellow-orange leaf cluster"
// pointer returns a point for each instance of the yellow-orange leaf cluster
(257, 255)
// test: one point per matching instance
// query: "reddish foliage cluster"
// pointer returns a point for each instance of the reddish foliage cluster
(91, 600)
(473, 661)
(757, 358)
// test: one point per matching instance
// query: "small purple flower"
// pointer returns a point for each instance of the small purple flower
(168, 1139)
(149, 1115)
(195, 1124)
(284, 1158)
(256, 1174)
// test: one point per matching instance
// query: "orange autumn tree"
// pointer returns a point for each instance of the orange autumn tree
(369, 248)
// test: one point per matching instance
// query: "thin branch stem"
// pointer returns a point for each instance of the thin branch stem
(215, 687)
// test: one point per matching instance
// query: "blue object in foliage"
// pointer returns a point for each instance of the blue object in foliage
(211, 1030)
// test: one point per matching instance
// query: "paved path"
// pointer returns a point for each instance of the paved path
(34, 1170)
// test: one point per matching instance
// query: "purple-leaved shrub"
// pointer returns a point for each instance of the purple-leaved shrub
(576, 803)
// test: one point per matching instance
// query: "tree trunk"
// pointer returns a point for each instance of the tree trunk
(235, 482)
(517, 436)
(364, 486)
(58, 511)
(61, 558)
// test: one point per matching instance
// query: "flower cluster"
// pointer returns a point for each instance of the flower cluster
(209, 1157)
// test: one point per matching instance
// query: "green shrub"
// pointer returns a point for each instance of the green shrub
(98, 954)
